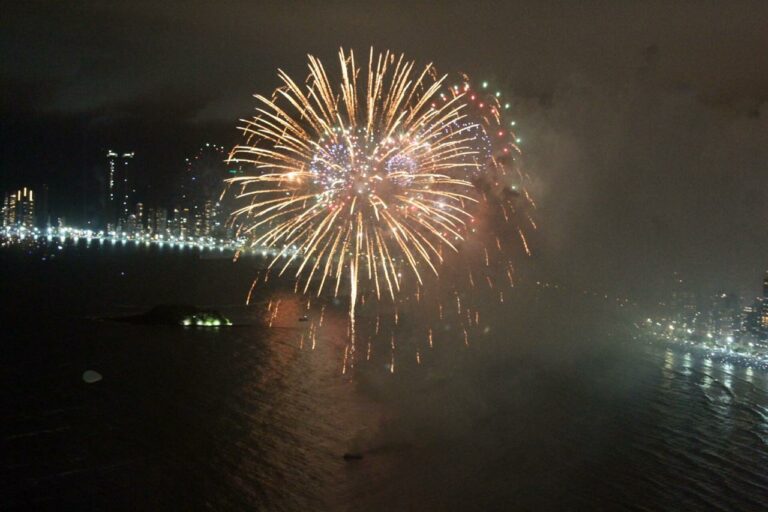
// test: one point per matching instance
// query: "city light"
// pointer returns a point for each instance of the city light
(716, 325)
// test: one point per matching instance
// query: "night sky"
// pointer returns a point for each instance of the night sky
(645, 124)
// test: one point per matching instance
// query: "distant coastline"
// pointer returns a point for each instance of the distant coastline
(755, 357)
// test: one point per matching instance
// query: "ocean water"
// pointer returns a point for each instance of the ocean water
(556, 409)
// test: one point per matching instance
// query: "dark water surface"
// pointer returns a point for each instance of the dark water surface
(553, 411)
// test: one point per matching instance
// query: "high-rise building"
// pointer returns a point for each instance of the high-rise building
(750, 316)
(130, 226)
(174, 223)
(119, 191)
(724, 315)
(196, 219)
(150, 224)
(9, 210)
(184, 223)
(139, 217)
(211, 218)
(110, 190)
(764, 310)
(26, 207)
(160, 223)
(19, 208)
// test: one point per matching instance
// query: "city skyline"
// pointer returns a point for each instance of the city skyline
(193, 208)
(120, 182)
(647, 160)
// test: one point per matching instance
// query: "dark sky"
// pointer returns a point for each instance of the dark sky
(645, 123)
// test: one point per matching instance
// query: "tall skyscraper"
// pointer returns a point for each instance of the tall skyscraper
(184, 224)
(174, 223)
(751, 318)
(9, 210)
(160, 222)
(140, 216)
(211, 219)
(118, 193)
(724, 315)
(196, 220)
(764, 310)
(19, 208)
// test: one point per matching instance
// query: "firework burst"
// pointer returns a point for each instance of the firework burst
(368, 180)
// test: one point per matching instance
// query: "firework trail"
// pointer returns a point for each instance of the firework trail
(368, 180)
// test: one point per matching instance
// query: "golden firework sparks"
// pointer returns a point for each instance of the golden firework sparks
(368, 180)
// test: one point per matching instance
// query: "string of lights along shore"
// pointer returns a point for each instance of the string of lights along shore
(372, 185)
(723, 324)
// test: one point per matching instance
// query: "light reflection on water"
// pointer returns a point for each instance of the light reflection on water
(251, 418)
(727, 368)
